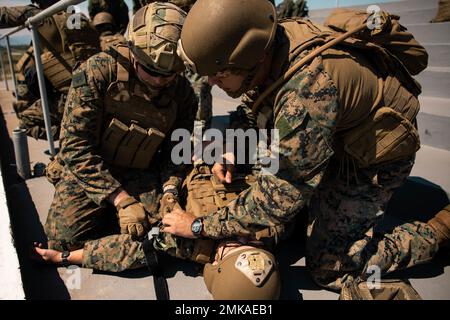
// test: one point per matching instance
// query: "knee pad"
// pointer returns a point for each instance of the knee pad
(247, 274)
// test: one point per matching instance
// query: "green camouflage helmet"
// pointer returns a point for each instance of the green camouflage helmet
(152, 36)
(224, 34)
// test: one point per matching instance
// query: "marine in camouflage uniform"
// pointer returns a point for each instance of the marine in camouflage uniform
(200, 84)
(28, 105)
(81, 214)
(117, 8)
(346, 201)
(106, 27)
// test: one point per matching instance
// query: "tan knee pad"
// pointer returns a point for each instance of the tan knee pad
(247, 274)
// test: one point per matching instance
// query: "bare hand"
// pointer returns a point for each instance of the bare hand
(45, 255)
(178, 223)
(224, 171)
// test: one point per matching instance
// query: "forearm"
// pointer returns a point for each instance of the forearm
(268, 203)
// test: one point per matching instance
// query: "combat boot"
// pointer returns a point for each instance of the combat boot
(441, 224)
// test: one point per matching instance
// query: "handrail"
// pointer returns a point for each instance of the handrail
(36, 19)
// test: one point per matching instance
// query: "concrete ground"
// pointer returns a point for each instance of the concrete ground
(422, 196)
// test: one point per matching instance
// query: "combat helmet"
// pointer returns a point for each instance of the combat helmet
(223, 34)
(103, 18)
(152, 36)
(245, 274)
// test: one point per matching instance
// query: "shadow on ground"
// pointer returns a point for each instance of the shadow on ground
(40, 281)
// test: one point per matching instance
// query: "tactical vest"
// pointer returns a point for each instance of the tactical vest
(376, 123)
(63, 47)
(25, 62)
(137, 123)
(204, 195)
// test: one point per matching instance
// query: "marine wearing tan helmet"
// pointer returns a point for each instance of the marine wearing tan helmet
(107, 28)
(103, 18)
(246, 41)
(153, 33)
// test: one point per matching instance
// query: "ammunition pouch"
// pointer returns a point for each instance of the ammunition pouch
(389, 133)
(130, 147)
(387, 290)
(58, 68)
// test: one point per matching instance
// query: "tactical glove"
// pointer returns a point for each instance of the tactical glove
(132, 217)
(168, 202)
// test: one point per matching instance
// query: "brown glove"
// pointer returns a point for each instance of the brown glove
(132, 217)
(168, 202)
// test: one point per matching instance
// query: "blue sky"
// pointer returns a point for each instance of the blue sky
(24, 37)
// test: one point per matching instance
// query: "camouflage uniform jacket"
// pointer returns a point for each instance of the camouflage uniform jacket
(305, 115)
(15, 16)
(82, 126)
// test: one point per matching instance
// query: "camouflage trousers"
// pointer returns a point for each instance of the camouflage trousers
(31, 117)
(74, 221)
(343, 242)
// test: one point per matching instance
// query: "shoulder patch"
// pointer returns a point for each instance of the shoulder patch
(79, 79)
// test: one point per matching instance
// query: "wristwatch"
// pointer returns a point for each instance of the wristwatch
(64, 256)
(197, 227)
(173, 191)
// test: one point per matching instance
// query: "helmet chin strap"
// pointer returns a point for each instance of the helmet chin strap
(246, 84)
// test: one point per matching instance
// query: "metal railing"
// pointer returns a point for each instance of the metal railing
(32, 23)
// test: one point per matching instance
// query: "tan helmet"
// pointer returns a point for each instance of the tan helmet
(103, 18)
(247, 274)
(152, 35)
(223, 34)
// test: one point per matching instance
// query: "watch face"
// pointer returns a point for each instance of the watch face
(197, 227)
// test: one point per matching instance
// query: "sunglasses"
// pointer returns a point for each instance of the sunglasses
(154, 73)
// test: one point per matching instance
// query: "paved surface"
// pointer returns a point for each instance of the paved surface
(424, 194)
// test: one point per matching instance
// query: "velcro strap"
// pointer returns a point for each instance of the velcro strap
(125, 203)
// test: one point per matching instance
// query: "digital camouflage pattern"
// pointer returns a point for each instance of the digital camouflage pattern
(117, 8)
(346, 202)
(80, 207)
(31, 117)
(343, 239)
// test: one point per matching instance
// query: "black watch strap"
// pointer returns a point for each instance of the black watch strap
(64, 261)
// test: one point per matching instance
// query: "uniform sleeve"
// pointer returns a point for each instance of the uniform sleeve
(188, 104)
(80, 130)
(16, 16)
(305, 120)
